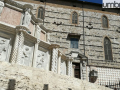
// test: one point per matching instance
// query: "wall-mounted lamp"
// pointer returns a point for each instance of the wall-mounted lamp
(89, 26)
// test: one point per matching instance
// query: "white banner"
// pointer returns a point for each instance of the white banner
(111, 4)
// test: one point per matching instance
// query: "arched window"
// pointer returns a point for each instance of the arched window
(74, 18)
(104, 22)
(107, 49)
(40, 13)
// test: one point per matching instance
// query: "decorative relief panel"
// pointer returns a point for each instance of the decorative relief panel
(63, 67)
(4, 48)
(27, 54)
(42, 59)
(1, 6)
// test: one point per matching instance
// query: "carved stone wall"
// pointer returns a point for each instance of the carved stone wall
(83, 70)
(43, 59)
(54, 62)
(27, 54)
(5, 46)
(63, 67)
(69, 68)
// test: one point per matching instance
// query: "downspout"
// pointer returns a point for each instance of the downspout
(83, 29)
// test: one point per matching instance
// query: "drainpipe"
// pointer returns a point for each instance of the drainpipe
(83, 28)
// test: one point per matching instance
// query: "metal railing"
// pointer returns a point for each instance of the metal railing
(112, 85)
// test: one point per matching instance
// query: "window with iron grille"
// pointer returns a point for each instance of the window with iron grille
(40, 13)
(104, 21)
(74, 42)
(74, 18)
(107, 49)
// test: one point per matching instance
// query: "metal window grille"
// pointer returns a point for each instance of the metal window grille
(41, 13)
(105, 22)
(107, 49)
(74, 18)
(74, 43)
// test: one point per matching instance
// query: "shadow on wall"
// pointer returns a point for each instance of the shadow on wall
(11, 84)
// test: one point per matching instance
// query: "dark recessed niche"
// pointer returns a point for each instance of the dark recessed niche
(74, 5)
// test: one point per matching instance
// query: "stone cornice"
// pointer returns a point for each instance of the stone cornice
(44, 44)
(54, 46)
(26, 34)
(64, 57)
(7, 28)
(43, 28)
(13, 3)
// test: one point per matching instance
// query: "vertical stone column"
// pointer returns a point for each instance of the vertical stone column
(20, 48)
(1, 6)
(54, 61)
(59, 63)
(69, 67)
(37, 31)
(15, 48)
(37, 35)
(19, 43)
(35, 53)
(48, 37)
(73, 70)
(83, 70)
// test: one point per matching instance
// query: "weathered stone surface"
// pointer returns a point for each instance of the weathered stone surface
(10, 16)
(28, 78)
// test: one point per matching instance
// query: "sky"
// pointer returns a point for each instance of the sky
(101, 1)
(94, 1)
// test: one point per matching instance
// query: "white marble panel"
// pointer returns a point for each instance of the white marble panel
(42, 59)
(5, 46)
(27, 54)
(63, 67)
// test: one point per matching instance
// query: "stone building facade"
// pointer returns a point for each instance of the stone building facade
(43, 35)
(90, 33)
(25, 41)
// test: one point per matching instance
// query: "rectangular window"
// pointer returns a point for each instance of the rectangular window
(74, 43)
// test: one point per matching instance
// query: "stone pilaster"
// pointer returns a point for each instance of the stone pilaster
(35, 53)
(21, 43)
(83, 70)
(21, 30)
(15, 48)
(54, 61)
(37, 31)
(48, 37)
(69, 66)
(73, 70)
(59, 63)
